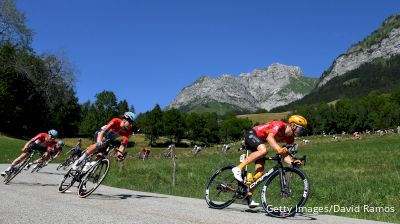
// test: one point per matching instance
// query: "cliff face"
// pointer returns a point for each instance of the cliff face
(382, 43)
(263, 88)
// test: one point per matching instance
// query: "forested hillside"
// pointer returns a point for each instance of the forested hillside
(380, 76)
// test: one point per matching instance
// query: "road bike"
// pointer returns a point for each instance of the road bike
(73, 155)
(144, 155)
(68, 162)
(32, 151)
(196, 150)
(92, 173)
(285, 189)
(167, 153)
(39, 166)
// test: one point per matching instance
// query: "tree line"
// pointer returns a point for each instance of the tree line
(373, 112)
(204, 128)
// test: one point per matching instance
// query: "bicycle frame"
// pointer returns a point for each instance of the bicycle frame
(279, 167)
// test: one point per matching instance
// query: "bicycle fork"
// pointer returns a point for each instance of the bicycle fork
(285, 179)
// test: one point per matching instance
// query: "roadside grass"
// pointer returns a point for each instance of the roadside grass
(348, 174)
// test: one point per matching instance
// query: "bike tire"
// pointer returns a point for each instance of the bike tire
(68, 163)
(222, 188)
(17, 170)
(64, 164)
(60, 166)
(68, 180)
(95, 175)
(284, 203)
(36, 168)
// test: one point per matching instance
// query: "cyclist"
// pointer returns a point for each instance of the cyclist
(197, 149)
(49, 155)
(76, 151)
(146, 152)
(115, 127)
(42, 142)
(271, 132)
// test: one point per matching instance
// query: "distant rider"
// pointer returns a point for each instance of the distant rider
(115, 127)
(49, 155)
(42, 142)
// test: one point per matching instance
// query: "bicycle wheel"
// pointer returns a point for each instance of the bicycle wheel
(93, 178)
(283, 195)
(65, 164)
(68, 163)
(222, 188)
(60, 165)
(35, 168)
(69, 179)
(17, 170)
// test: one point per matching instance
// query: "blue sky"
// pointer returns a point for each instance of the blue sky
(147, 51)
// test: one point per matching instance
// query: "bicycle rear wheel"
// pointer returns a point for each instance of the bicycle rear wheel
(35, 168)
(283, 195)
(222, 188)
(60, 165)
(17, 170)
(69, 179)
(93, 178)
(65, 164)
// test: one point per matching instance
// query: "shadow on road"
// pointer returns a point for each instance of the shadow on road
(298, 216)
(98, 196)
(31, 184)
(52, 173)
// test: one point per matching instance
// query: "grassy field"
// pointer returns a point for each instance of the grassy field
(347, 174)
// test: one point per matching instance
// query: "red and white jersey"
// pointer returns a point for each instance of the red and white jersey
(277, 128)
(113, 130)
(40, 139)
(56, 150)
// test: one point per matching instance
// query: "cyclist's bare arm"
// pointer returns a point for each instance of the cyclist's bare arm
(272, 142)
(100, 136)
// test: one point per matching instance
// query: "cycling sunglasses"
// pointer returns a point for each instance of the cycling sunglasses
(302, 129)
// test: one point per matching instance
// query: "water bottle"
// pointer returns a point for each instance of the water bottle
(86, 167)
(242, 157)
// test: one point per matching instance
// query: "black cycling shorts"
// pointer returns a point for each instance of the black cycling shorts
(39, 148)
(252, 140)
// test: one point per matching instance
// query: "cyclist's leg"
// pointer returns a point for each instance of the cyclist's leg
(260, 153)
(19, 159)
(89, 150)
(259, 150)
(258, 173)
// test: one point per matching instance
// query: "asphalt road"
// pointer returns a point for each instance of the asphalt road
(33, 198)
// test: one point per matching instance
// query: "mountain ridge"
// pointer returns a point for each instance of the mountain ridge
(263, 88)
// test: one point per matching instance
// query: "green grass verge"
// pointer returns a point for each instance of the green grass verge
(345, 174)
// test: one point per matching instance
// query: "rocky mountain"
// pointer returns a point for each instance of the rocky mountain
(264, 88)
(382, 43)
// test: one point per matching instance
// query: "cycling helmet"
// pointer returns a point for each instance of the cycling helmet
(130, 116)
(53, 133)
(60, 143)
(298, 120)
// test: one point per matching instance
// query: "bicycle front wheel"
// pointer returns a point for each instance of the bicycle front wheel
(285, 192)
(17, 170)
(93, 178)
(69, 179)
(222, 188)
